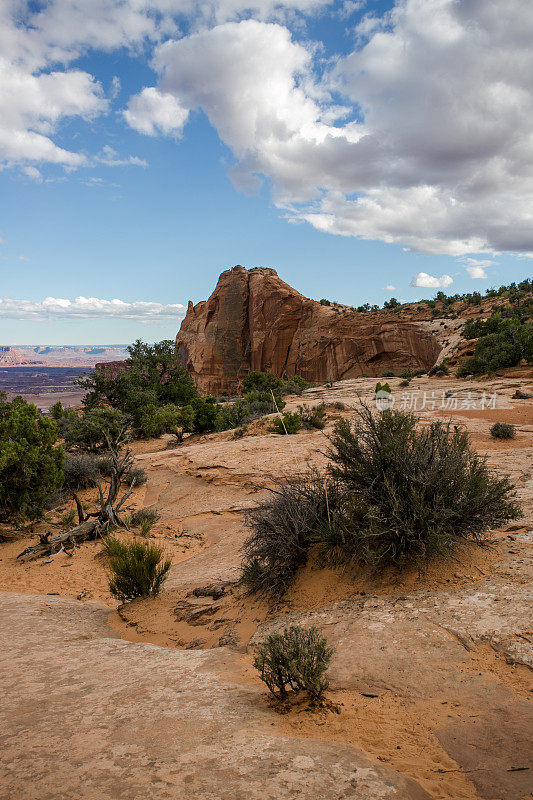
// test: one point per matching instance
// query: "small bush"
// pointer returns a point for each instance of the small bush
(294, 385)
(313, 417)
(404, 383)
(290, 422)
(383, 387)
(137, 569)
(387, 375)
(297, 659)
(257, 381)
(82, 470)
(502, 430)
(144, 516)
(94, 427)
(283, 527)
(501, 343)
(136, 474)
(66, 520)
(439, 370)
(396, 495)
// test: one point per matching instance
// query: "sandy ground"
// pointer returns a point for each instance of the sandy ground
(431, 676)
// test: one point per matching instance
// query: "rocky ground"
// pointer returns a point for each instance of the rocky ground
(430, 682)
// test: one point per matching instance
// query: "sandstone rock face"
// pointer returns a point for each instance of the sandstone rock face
(255, 321)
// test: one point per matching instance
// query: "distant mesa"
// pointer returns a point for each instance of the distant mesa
(255, 321)
(60, 355)
(11, 358)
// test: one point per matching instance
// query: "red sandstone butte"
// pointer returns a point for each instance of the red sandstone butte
(255, 321)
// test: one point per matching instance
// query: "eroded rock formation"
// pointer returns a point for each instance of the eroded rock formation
(254, 320)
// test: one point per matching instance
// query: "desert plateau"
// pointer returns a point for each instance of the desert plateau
(266, 400)
(430, 682)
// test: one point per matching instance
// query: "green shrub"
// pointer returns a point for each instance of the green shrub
(65, 417)
(283, 528)
(290, 422)
(92, 429)
(383, 387)
(296, 659)
(136, 474)
(66, 520)
(81, 470)
(397, 495)
(313, 416)
(439, 370)
(144, 516)
(502, 430)
(257, 381)
(137, 569)
(264, 383)
(414, 492)
(31, 465)
(206, 411)
(501, 343)
(232, 415)
(294, 385)
(154, 420)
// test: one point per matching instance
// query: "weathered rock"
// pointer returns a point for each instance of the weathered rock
(255, 321)
(88, 716)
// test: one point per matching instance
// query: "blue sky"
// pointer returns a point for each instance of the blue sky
(352, 146)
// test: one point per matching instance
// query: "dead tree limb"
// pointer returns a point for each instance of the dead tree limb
(96, 523)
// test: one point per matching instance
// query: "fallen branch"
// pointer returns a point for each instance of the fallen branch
(96, 523)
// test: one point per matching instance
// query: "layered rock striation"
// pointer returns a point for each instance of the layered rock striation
(255, 321)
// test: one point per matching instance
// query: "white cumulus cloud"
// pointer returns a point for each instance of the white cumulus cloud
(432, 146)
(430, 281)
(420, 133)
(153, 112)
(87, 307)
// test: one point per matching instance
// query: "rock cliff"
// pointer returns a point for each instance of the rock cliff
(254, 320)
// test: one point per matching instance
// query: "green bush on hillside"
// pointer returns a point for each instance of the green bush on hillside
(501, 343)
(289, 422)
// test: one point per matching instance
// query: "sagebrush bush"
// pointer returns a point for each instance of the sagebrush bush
(81, 470)
(502, 430)
(137, 569)
(283, 527)
(144, 515)
(290, 422)
(296, 659)
(414, 492)
(136, 474)
(396, 495)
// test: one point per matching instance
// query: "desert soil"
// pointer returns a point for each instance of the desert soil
(431, 684)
